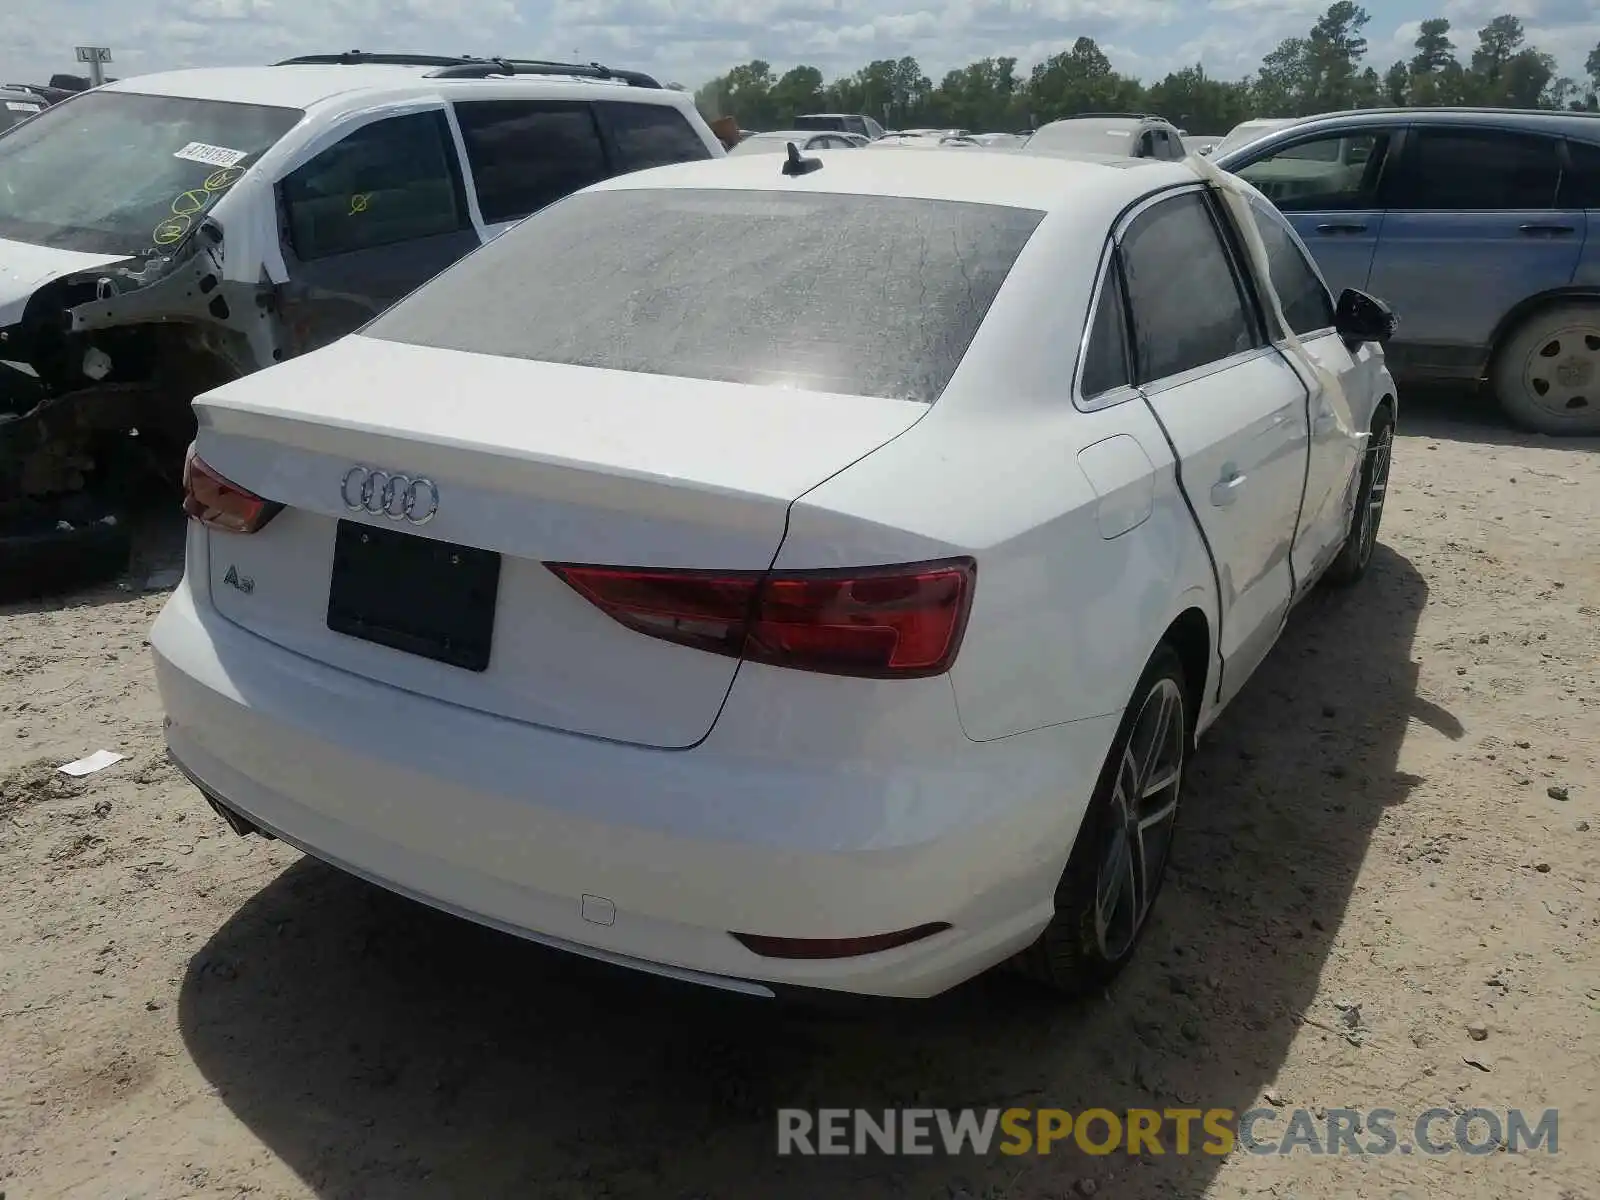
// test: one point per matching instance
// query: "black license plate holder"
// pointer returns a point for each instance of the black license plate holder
(432, 599)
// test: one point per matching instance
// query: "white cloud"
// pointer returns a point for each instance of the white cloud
(690, 40)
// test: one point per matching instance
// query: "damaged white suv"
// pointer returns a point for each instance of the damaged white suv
(161, 235)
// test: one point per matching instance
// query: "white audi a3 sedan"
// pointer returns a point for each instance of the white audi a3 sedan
(776, 573)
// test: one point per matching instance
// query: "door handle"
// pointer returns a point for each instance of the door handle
(1541, 230)
(1226, 490)
(1342, 227)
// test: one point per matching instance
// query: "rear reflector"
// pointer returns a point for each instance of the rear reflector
(901, 622)
(218, 503)
(813, 948)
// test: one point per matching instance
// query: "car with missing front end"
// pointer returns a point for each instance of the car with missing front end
(818, 578)
(164, 234)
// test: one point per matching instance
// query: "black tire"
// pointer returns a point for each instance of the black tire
(1090, 940)
(1547, 373)
(58, 548)
(1355, 556)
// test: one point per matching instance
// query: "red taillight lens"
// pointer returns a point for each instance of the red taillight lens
(219, 504)
(881, 622)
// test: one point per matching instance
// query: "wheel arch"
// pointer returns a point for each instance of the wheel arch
(1190, 635)
(1532, 306)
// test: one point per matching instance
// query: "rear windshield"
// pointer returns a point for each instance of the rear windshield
(121, 172)
(820, 122)
(860, 295)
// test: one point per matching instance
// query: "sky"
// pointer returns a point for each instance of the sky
(689, 41)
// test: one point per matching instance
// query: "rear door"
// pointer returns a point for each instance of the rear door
(1233, 409)
(1472, 228)
(1328, 186)
(366, 221)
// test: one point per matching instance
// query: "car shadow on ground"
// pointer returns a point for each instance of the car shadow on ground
(1464, 413)
(383, 1049)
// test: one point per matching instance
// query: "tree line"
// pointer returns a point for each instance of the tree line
(1324, 71)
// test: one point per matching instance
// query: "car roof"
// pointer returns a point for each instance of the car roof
(1585, 125)
(306, 85)
(1007, 178)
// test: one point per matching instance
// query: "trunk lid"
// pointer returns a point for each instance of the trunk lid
(537, 463)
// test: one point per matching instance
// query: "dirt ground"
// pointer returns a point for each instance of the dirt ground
(1402, 814)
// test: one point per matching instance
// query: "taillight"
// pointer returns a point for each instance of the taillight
(218, 503)
(881, 622)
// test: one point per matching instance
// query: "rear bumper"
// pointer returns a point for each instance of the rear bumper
(641, 857)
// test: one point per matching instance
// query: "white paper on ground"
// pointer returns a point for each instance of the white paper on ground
(98, 761)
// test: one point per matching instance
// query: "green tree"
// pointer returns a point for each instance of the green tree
(1397, 84)
(1282, 86)
(1435, 50)
(744, 93)
(1334, 51)
(798, 91)
(1193, 101)
(985, 95)
(1081, 80)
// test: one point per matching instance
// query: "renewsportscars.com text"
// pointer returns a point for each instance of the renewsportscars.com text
(1150, 1131)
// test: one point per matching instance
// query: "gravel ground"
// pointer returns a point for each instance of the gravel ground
(1385, 896)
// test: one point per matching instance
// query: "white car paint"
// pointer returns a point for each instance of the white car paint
(336, 101)
(590, 789)
(25, 268)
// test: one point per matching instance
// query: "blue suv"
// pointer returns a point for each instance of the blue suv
(1481, 227)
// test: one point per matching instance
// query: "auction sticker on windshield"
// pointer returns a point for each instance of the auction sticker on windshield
(215, 156)
(19, 106)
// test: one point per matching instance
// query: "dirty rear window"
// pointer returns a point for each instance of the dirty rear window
(860, 295)
(123, 173)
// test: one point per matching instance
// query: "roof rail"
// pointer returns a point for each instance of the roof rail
(467, 66)
(1120, 116)
(351, 58)
(483, 68)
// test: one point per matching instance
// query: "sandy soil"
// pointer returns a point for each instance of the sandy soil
(1380, 821)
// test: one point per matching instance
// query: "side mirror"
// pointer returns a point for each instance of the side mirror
(1362, 318)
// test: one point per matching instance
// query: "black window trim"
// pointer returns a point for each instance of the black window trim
(1316, 273)
(1247, 297)
(1400, 158)
(455, 164)
(1108, 274)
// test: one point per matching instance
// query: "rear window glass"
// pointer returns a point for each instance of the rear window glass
(860, 295)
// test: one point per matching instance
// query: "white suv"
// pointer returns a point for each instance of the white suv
(161, 235)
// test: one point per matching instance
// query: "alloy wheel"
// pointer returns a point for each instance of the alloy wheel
(1377, 490)
(1144, 807)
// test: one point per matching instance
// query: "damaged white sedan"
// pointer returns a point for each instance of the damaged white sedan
(164, 234)
(782, 571)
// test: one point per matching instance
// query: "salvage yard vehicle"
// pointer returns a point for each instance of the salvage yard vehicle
(1481, 226)
(817, 577)
(1135, 135)
(777, 142)
(17, 105)
(164, 234)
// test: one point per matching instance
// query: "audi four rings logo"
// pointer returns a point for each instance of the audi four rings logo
(398, 497)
